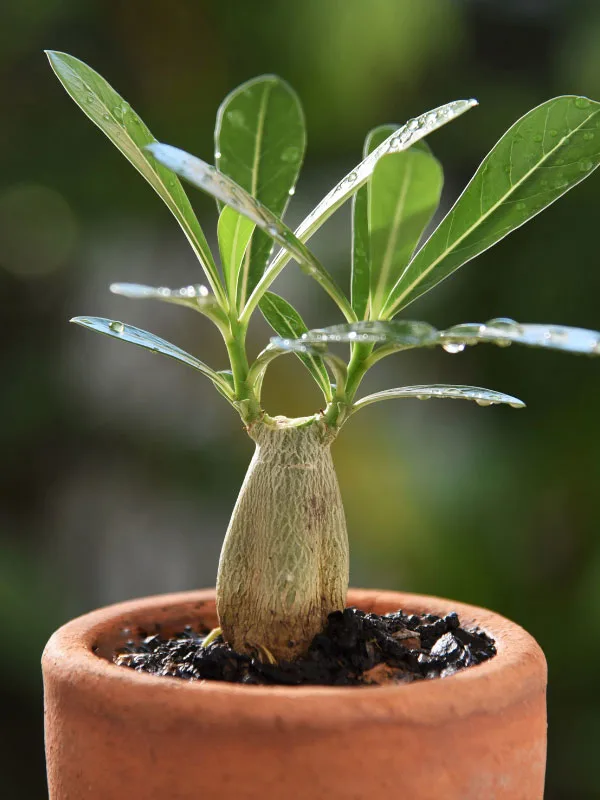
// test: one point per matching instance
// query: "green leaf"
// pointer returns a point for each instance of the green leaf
(483, 397)
(503, 331)
(233, 232)
(210, 180)
(407, 135)
(129, 333)
(115, 118)
(285, 320)
(196, 297)
(543, 155)
(402, 333)
(361, 253)
(260, 140)
(404, 194)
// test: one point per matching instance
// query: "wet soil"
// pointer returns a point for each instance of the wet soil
(356, 648)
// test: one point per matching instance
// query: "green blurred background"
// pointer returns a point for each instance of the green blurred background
(119, 470)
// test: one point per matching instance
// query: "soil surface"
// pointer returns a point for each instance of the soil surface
(355, 648)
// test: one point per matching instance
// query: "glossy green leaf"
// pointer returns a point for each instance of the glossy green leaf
(129, 333)
(260, 140)
(361, 252)
(407, 135)
(483, 397)
(210, 180)
(234, 231)
(404, 194)
(503, 331)
(403, 333)
(396, 335)
(543, 155)
(115, 118)
(287, 322)
(196, 297)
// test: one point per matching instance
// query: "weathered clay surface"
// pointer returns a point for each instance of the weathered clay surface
(112, 732)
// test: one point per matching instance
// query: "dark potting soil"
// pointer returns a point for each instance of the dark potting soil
(355, 648)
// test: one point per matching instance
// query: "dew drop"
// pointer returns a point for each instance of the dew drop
(453, 347)
(538, 137)
(116, 327)
(559, 162)
(499, 322)
(217, 155)
(520, 206)
(588, 136)
(272, 230)
(515, 405)
(423, 397)
(482, 402)
(412, 125)
(585, 166)
(582, 102)
(106, 117)
(351, 177)
(352, 335)
(89, 98)
(292, 191)
(553, 132)
(117, 113)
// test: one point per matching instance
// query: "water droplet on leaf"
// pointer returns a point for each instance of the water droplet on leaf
(582, 102)
(117, 327)
(453, 347)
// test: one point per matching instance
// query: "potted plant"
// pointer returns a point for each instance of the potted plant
(283, 572)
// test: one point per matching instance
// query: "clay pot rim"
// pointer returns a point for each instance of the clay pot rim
(487, 688)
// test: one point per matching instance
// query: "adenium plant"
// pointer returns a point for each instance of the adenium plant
(284, 563)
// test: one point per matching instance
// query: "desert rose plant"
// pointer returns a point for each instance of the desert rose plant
(284, 563)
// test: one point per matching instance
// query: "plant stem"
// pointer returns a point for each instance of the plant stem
(338, 410)
(284, 563)
(246, 400)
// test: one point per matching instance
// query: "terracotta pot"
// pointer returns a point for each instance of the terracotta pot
(112, 733)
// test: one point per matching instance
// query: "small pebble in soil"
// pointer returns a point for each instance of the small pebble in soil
(356, 648)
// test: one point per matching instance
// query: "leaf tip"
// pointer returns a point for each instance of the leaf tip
(167, 155)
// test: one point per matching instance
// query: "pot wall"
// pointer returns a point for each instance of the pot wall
(114, 733)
